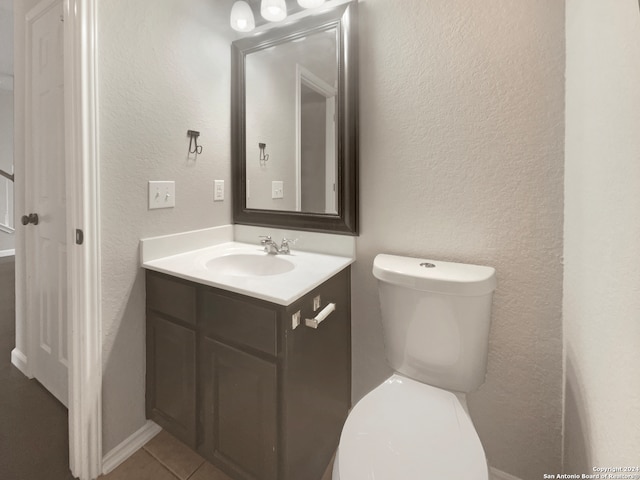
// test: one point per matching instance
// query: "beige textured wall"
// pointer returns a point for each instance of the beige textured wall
(461, 154)
(164, 68)
(602, 228)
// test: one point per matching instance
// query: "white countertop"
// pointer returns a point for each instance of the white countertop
(310, 270)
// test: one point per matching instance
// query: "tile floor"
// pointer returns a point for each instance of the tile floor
(166, 458)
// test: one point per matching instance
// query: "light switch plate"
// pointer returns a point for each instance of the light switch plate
(218, 190)
(277, 189)
(162, 194)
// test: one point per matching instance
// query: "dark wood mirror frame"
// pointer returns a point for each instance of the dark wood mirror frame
(344, 19)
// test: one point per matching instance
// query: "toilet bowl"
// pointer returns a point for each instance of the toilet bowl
(415, 425)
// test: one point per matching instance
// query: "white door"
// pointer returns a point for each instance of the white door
(46, 245)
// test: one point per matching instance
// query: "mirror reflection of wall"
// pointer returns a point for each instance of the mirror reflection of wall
(289, 113)
(6, 125)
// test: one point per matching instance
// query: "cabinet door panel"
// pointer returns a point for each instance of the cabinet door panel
(171, 377)
(171, 297)
(239, 404)
(240, 322)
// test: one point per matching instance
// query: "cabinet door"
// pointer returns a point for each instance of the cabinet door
(171, 377)
(239, 411)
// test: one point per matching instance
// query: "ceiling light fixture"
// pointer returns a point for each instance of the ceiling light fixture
(242, 17)
(310, 3)
(273, 10)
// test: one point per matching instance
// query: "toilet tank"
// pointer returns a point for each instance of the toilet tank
(436, 317)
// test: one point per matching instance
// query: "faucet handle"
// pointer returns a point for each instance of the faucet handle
(265, 239)
(284, 247)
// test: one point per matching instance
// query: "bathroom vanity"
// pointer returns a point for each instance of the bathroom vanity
(237, 379)
(249, 354)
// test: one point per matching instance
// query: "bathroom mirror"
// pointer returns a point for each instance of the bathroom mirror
(294, 124)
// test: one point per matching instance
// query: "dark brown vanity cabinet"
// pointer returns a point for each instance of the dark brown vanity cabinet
(230, 376)
(171, 356)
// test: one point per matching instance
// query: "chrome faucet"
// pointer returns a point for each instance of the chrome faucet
(271, 247)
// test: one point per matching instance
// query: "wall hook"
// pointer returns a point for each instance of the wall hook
(264, 157)
(193, 140)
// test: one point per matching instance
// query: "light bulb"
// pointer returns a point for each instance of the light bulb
(242, 17)
(310, 3)
(273, 10)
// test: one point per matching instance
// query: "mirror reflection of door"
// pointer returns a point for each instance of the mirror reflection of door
(316, 161)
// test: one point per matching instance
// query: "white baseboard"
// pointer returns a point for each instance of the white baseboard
(19, 360)
(129, 446)
(496, 474)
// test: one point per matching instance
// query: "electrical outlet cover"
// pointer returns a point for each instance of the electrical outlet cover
(277, 189)
(218, 190)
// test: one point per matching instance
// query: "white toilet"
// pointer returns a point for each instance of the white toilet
(415, 425)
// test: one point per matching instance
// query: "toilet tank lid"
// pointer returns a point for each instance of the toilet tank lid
(434, 275)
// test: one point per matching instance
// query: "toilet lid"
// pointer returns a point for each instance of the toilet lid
(407, 430)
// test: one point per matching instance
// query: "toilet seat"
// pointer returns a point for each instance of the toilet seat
(408, 430)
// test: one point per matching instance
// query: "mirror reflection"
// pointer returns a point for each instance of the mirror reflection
(291, 130)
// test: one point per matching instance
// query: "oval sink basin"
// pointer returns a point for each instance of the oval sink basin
(245, 265)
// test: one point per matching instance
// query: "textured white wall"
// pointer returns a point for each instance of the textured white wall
(7, 240)
(164, 68)
(602, 228)
(6, 38)
(461, 154)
